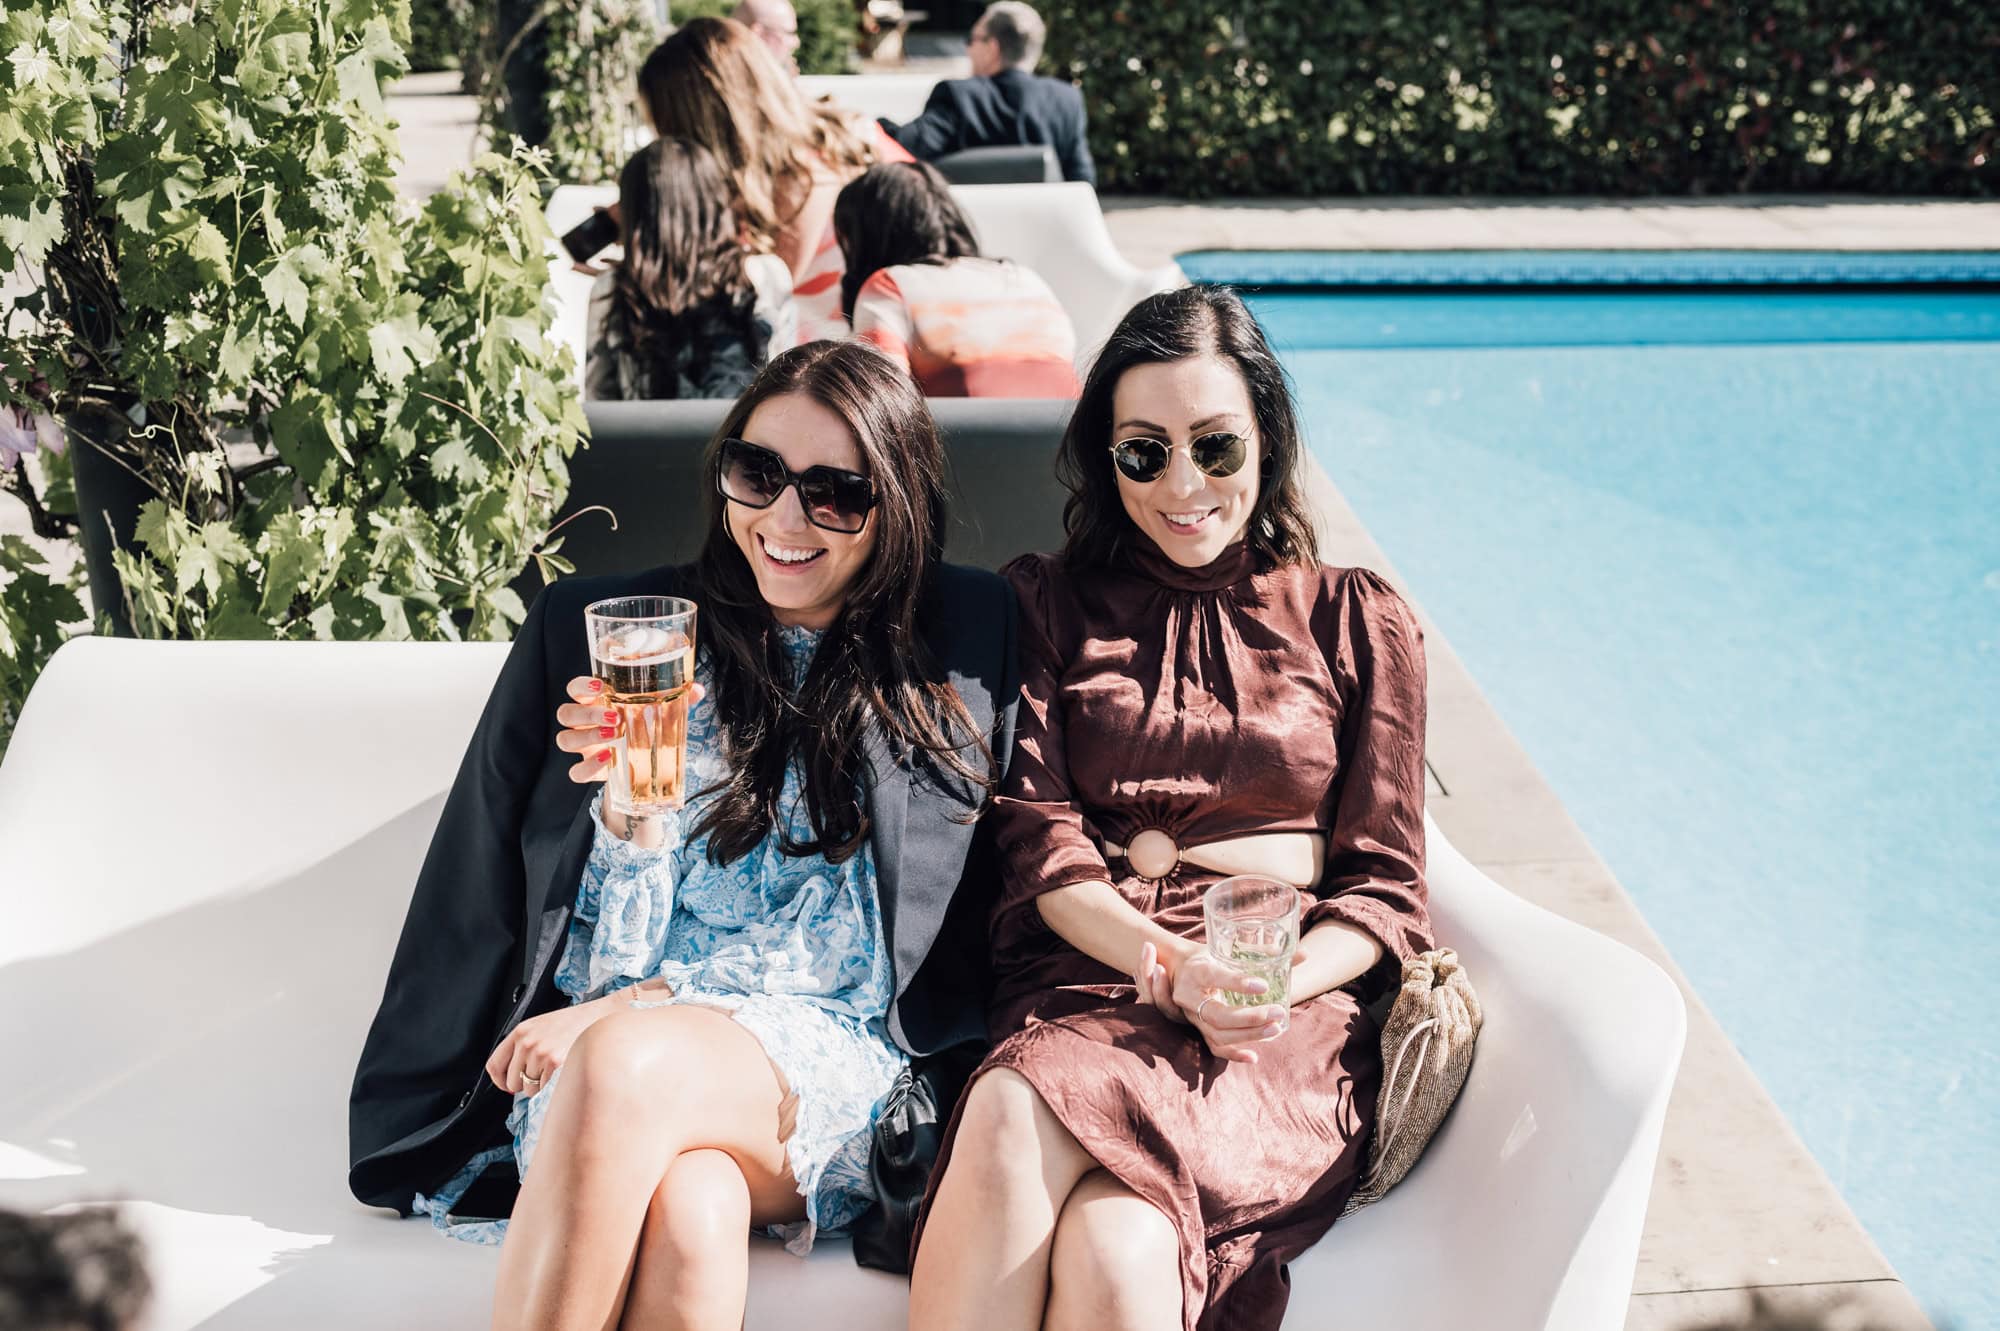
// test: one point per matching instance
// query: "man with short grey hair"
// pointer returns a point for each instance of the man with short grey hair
(1004, 102)
(1014, 34)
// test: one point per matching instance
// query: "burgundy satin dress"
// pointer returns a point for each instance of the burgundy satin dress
(1210, 703)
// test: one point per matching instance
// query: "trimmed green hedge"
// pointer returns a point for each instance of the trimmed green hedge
(440, 31)
(1250, 97)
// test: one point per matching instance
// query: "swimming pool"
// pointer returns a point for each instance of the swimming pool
(1728, 563)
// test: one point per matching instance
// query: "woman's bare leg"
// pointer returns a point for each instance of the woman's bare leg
(1116, 1265)
(694, 1261)
(629, 1105)
(984, 1261)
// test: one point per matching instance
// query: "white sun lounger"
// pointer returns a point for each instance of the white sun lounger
(206, 850)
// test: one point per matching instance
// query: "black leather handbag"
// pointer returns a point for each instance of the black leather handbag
(908, 1136)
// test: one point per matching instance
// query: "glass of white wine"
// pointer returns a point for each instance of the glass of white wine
(1253, 925)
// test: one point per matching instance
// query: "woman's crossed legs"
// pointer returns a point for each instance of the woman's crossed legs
(664, 1143)
(1027, 1233)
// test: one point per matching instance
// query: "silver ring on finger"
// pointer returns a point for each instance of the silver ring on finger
(532, 1081)
(1201, 1006)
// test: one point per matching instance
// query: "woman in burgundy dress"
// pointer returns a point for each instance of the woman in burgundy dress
(1200, 697)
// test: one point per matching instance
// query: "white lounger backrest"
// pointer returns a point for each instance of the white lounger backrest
(1057, 230)
(892, 97)
(206, 850)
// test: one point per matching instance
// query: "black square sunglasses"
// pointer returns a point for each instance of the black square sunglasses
(1143, 459)
(833, 500)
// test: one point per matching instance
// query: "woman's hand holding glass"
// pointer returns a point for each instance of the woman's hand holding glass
(589, 724)
(1192, 992)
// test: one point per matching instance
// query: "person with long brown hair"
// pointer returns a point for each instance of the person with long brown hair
(686, 313)
(786, 158)
(667, 1033)
(1157, 1132)
(917, 287)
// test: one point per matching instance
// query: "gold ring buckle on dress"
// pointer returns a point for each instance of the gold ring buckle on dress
(1298, 858)
(1153, 853)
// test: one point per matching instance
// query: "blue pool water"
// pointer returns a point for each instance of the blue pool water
(1728, 564)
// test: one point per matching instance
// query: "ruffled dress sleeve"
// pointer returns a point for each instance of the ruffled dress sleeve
(1374, 877)
(624, 906)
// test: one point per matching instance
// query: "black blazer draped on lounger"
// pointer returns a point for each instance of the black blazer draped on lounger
(490, 913)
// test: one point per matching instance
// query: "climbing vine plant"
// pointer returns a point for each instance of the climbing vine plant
(345, 406)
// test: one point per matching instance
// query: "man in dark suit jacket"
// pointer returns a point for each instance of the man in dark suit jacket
(1004, 102)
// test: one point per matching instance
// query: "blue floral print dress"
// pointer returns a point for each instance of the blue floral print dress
(792, 947)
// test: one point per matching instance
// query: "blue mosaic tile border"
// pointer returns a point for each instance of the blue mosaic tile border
(1405, 268)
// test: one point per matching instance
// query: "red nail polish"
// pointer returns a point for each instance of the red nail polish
(607, 732)
(604, 755)
(611, 718)
(597, 686)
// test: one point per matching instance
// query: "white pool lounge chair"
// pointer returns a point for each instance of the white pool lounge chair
(893, 97)
(205, 854)
(1059, 231)
(1055, 229)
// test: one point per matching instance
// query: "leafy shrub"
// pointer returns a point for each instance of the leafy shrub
(594, 51)
(346, 406)
(33, 610)
(827, 33)
(440, 32)
(1256, 97)
(576, 64)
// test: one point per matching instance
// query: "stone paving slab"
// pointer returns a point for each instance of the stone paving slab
(436, 128)
(1153, 230)
(1882, 1305)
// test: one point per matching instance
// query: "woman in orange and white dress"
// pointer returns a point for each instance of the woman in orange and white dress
(917, 288)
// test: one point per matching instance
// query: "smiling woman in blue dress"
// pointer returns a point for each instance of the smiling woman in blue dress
(796, 934)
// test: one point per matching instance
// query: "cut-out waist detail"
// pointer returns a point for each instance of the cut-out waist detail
(1297, 858)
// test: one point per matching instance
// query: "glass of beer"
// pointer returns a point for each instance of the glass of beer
(642, 647)
(1253, 925)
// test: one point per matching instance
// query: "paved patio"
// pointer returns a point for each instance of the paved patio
(1152, 230)
(1738, 1203)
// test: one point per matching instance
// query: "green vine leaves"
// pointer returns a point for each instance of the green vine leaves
(346, 405)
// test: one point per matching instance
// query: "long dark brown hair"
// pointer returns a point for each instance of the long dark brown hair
(681, 256)
(898, 212)
(871, 668)
(1170, 326)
